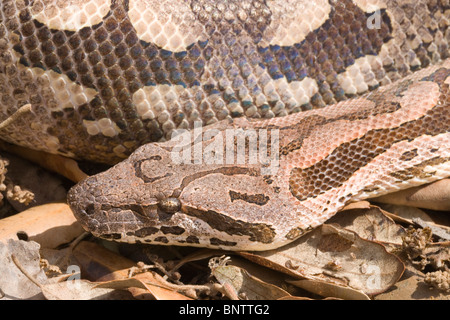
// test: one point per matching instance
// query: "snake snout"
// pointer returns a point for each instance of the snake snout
(82, 200)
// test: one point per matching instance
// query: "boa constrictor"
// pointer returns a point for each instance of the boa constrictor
(96, 79)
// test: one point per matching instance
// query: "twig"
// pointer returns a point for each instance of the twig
(25, 272)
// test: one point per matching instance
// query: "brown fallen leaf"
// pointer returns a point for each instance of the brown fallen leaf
(50, 225)
(370, 223)
(81, 290)
(412, 286)
(434, 196)
(100, 264)
(72, 289)
(149, 284)
(17, 256)
(104, 266)
(330, 290)
(335, 255)
(64, 166)
(242, 284)
(404, 214)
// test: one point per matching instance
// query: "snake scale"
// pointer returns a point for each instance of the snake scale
(99, 80)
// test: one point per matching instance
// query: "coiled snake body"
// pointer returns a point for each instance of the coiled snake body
(96, 79)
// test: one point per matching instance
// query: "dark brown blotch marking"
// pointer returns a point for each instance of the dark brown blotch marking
(258, 199)
(112, 236)
(256, 231)
(143, 232)
(192, 239)
(294, 233)
(346, 159)
(161, 239)
(218, 242)
(172, 230)
(417, 171)
(409, 155)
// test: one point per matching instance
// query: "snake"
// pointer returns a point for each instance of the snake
(238, 125)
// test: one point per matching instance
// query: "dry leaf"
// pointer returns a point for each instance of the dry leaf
(357, 205)
(244, 283)
(335, 255)
(50, 225)
(102, 265)
(200, 254)
(404, 214)
(81, 290)
(371, 224)
(64, 166)
(434, 196)
(150, 285)
(13, 282)
(327, 289)
(413, 287)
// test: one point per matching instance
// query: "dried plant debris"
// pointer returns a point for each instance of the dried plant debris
(335, 255)
(439, 279)
(29, 185)
(9, 190)
(330, 290)
(238, 284)
(443, 232)
(428, 256)
(16, 194)
(423, 252)
(3, 164)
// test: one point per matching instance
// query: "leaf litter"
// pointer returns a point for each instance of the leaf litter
(358, 254)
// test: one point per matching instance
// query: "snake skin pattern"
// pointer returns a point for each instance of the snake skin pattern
(96, 79)
(394, 138)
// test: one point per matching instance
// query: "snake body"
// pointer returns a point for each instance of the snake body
(96, 79)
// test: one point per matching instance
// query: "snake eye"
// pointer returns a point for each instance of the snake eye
(170, 205)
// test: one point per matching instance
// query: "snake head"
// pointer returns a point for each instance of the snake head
(154, 198)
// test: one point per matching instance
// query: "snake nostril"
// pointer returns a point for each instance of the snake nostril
(169, 205)
(90, 209)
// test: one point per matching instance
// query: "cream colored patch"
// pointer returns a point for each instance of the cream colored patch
(120, 150)
(447, 80)
(169, 24)
(359, 76)
(152, 101)
(299, 91)
(292, 20)
(70, 14)
(104, 126)
(162, 102)
(58, 90)
(370, 5)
